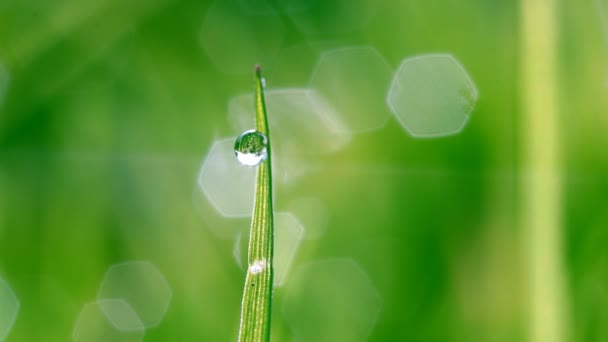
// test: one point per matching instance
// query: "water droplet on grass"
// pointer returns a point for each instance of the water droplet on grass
(250, 148)
(305, 128)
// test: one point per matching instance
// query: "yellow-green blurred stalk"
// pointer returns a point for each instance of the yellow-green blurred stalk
(541, 181)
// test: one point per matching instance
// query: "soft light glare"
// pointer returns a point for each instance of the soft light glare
(142, 286)
(227, 185)
(302, 127)
(432, 95)
(92, 325)
(9, 309)
(354, 81)
(331, 300)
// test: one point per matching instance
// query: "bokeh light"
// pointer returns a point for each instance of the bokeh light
(432, 95)
(313, 213)
(92, 325)
(354, 80)
(121, 314)
(303, 127)
(331, 300)
(239, 249)
(9, 309)
(142, 286)
(227, 184)
(118, 120)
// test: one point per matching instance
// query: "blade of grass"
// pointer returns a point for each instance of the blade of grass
(257, 295)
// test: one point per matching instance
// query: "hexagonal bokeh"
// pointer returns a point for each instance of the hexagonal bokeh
(4, 78)
(9, 309)
(121, 314)
(432, 95)
(313, 213)
(287, 238)
(142, 286)
(228, 185)
(354, 81)
(302, 127)
(214, 221)
(257, 31)
(313, 17)
(331, 300)
(92, 325)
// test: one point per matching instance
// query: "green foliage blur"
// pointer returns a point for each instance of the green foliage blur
(111, 106)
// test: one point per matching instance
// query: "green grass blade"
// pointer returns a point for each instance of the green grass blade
(257, 295)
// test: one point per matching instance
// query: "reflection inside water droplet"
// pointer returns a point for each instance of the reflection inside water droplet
(250, 148)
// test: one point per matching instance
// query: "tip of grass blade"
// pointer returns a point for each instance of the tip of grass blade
(258, 70)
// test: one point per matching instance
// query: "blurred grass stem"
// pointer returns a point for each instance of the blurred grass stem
(540, 186)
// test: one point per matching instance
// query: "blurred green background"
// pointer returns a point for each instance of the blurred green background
(110, 108)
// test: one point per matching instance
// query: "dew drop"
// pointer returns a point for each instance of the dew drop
(250, 148)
